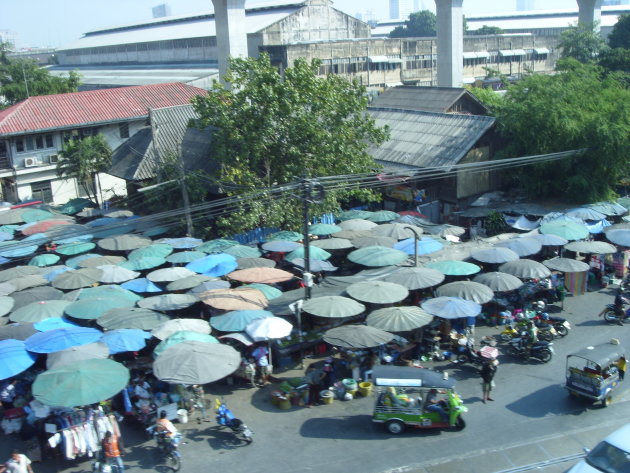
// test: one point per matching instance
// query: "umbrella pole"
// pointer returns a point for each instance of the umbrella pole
(270, 356)
(415, 245)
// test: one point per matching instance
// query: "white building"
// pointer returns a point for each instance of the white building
(401, 9)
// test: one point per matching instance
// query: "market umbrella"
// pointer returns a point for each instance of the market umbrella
(209, 286)
(12, 216)
(53, 323)
(78, 278)
(242, 251)
(109, 291)
(196, 363)
(333, 244)
(566, 265)
(495, 255)
(35, 294)
(323, 229)
(240, 337)
(454, 268)
(75, 205)
(93, 308)
(216, 246)
(14, 358)
(350, 235)
(46, 259)
(169, 274)
(237, 320)
(585, 213)
(101, 222)
(550, 239)
(333, 307)
(113, 274)
(17, 331)
(36, 311)
(25, 282)
(43, 226)
(523, 223)
(213, 265)
(188, 282)
(6, 304)
(16, 249)
(374, 240)
(565, 229)
(268, 328)
(81, 383)
(593, 246)
(155, 231)
(619, 237)
(144, 262)
(285, 235)
(72, 355)
(354, 214)
(141, 285)
(355, 336)
(125, 339)
(421, 246)
(19, 271)
(180, 337)
(498, 281)
(235, 299)
(6, 236)
(157, 250)
(36, 215)
(53, 271)
(380, 216)
(316, 265)
(61, 338)
(451, 307)
(617, 226)
(124, 243)
(75, 261)
(261, 275)
(96, 261)
(399, 231)
(416, 278)
(610, 209)
(525, 269)
(246, 263)
(314, 252)
(168, 302)
(399, 319)
(357, 224)
(281, 246)
(172, 326)
(521, 246)
(182, 243)
(185, 257)
(75, 248)
(131, 317)
(269, 292)
(377, 256)
(469, 290)
(377, 292)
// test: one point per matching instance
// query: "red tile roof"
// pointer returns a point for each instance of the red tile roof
(46, 112)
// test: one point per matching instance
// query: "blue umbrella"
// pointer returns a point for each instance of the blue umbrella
(425, 246)
(451, 307)
(5, 236)
(74, 239)
(50, 275)
(118, 229)
(237, 320)
(141, 285)
(125, 339)
(16, 249)
(213, 265)
(155, 231)
(182, 243)
(209, 286)
(110, 290)
(99, 222)
(74, 262)
(282, 246)
(14, 358)
(53, 323)
(61, 338)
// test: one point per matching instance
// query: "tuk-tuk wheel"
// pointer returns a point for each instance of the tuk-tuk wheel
(460, 423)
(395, 427)
(607, 400)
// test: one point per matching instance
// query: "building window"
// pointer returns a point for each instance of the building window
(49, 140)
(19, 145)
(3, 149)
(42, 191)
(123, 130)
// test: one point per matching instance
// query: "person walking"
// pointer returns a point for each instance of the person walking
(113, 451)
(314, 377)
(487, 372)
(18, 463)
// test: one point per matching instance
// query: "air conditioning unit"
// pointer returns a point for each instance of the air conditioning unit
(30, 162)
(53, 159)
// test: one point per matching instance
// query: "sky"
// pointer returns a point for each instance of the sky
(53, 23)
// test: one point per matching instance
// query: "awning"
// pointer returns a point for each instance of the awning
(541, 50)
(512, 52)
(470, 55)
(476, 54)
(483, 54)
(395, 60)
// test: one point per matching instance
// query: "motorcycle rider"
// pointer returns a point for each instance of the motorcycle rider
(166, 427)
(620, 301)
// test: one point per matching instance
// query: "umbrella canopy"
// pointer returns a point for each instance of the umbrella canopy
(6, 304)
(357, 224)
(494, 255)
(74, 262)
(377, 292)
(112, 273)
(380, 216)
(237, 320)
(523, 223)
(155, 231)
(196, 363)
(141, 285)
(235, 299)
(209, 286)
(354, 214)
(451, 307)
(550, 239)
(422, 246)
(565, 229)
(351, 234)
(36, 311)
(566, 265)
(594, 247)
(69, 356)
(96, 261)
(157, 250)
(469, 290)
(499, 282)
(323, 229)
(185, 256)
(240, 337)
(110, 291)
(316, 265)
(11, 216)
(399, 231)
(619, 237)
(585, 213)
(169, 274)
(246, 263)
(188, 282)
(525, 269)
(374, 240)
(455, 268)
(216, 246)
(17, 331)
(19, 271)
(182, 243)
(144, 262)
(521, 246)
(36, 294)
(43, 226)
(93, 308)
(357, 336)
(14, 358)
(242, 251)
(477, 212)
(617, 226)
(183, 336)
(281, 246)
(172, 326)
(83, 382)
(55, 271)
(36, 215)
(214, 265)
(61, 338)
(332, 244)
(168, 302)
(78, 278)
(124, 243)
(416, 278)
(377, 256)
(132, 317)
(53, 323)
(268, 328)
(75, 205)
(261, 275)
(75, 248)
(16, 249)
(399, 319)
(314, 252)
(26, 282)
(333, 307)
(44, 260)
(269, 292)
(125, 339)
(285, 235)
(610, 209)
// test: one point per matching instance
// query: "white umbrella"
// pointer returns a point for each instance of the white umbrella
(269, 328)
(169, 327)
(169, 274)
(114, 274)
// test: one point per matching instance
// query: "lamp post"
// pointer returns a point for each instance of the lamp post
(416, 238)
(296, 308)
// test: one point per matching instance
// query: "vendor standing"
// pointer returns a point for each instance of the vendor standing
(18, 463)
(260, 354)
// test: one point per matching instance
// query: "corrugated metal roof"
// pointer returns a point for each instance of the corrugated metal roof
(48, 112)
(427, 99)
(424, 139)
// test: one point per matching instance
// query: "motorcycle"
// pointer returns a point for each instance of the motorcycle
(167, 447)
(546, 333)
(541, 350)
(225, 418)
(560, 325)
(467, 353)
(612, 316)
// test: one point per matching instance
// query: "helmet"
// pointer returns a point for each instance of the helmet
(539, 304)
(544, 316)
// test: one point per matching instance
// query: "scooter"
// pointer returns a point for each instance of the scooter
(226, 418)
(559, 324)
(612, 316)
(540, 350)
(468, 354)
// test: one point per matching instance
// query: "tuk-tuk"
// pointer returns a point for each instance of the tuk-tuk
(593, 372)
(401, 393)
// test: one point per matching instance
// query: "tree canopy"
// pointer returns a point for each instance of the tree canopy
(581, 42)
(272, 129)
(485, 29)
(619, 37)
(420, 24)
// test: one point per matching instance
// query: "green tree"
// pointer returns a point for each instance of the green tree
(420, 24)
(488, 97)
(581, 42)
(615, 59)
(83, 159)
(485, 29)
(619, 37)
(273, 128)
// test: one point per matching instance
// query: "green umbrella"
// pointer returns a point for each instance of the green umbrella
(415, 278)
(332, 244)
(382, 216)
(323, 229)
(44, 260)
(6, 304)
(93, 308)
(155, 231)
(74, 262)
(333, 307)
(352, 214)
(377, 256)
(399, 319)
(625, 201)
(242, 251)
(75, 248)
(315, 253)
(565, 229)
(377, 292)
(270, 292)
(143, 262)
(285, 235)
(36, 215)
(245, 263)
(185, 256)
(157, 250)
(216, 246)
(77, 279)
(357, 224)
(96, 261)
(124, 243)
(132, 317)
(37, 311)
(188, 282)
(454, 268)
(81, 383)
(74, 206)
(107, 291)
(183, 336)
(20, 271)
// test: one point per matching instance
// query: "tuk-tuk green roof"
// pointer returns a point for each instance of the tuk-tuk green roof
(407, 376)
(603, 355)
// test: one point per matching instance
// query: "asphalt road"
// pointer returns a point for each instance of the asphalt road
(532, 425)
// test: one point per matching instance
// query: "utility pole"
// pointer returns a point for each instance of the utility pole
(185, 199)
(308, 185)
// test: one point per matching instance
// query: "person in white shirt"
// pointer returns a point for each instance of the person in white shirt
(18, 463)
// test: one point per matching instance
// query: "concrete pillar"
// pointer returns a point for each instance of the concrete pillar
(590, 12)
(450, 43)
(229, 18)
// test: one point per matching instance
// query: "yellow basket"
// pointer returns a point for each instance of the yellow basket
(365, 388)
(284, 403)
(327, 396)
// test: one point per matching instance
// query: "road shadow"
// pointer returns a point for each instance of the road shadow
(551, 399)
(591, 322)
(218, 438)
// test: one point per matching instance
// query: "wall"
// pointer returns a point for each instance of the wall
(468, 183)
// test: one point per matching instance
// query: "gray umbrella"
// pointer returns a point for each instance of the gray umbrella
(525, 269)
(549, 239)
(20, 271)
(188, 282)
(619, 237)
(333, 244)
(498, 281)
(168, 302)
(522, 246)
(357, 224)
(246, 263)
(585, 213)
(40, 310)
(35, 294)
(124, 242)
(594, 247)
(132, 317)
(6, 304)
(169, 327)
(496, 255)
(566, 265)
(333, 306)
(351, 234)
(416, 278)
(18, 331)
(451, 307)
(25, 282)
(377, 292)
(469, 290)
(357, 336)
(100, 261)
(399, 319)
(79, 278)
(399, 231)
(616, 226)
(374, 240)
(71, 355)
(610, 209)
(169, 274)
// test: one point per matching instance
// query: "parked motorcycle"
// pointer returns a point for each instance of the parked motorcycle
(542, 319)
(225, 418)
(467, 353)
(546, 333)
(541, 350)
